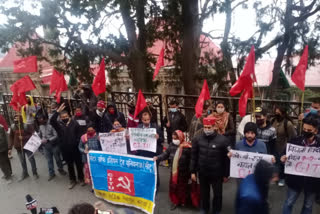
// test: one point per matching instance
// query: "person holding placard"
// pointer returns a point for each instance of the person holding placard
(209, 159)
(117, 127)
(297, 183)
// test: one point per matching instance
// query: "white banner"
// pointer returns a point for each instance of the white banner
(113, 142)
(243, 164)
(302, 160)
(33, 143)
(143, 139)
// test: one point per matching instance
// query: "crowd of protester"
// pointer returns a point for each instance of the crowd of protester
(199, 151)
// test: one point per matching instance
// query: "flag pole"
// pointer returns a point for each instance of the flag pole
(301, 110)
(253, 115)
(19, 128)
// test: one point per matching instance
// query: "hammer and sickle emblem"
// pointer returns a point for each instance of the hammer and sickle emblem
(124, 184)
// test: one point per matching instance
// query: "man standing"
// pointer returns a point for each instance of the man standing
(82, 120)
(209, 159)
(297, 184)
(265, 132)
(5, 164)
(49, 139)
(28, 112)
(69, 135)
(100, 120)
(113, 114)
(175, 121)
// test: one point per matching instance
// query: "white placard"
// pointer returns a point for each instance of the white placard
(302, 160)
(243, 163)
(113, 142)
(82, 122)
(143, 139)
(33, 143)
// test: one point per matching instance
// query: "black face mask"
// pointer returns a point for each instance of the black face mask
(307, 134)
(260, 122)
(278, 117)
(65, 120)
(16, 122)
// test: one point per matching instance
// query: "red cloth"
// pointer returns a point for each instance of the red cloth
(299, 75)
(17, 101)
(22, 85)
(99, 82)
(4, 123)
(247, 93)
(132, 123)
(160, 63)
(25, 65)
(58, 84)
(101, 104)
(141, 104)
(179, 193)
(209, 121)
(195, 194)
(87, 176)
(204, 95)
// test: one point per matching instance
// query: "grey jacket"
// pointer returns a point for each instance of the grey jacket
(48, 132)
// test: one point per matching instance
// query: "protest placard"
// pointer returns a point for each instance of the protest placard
(113, 142)
(143, 139)
(243, 164)
(302, 160)
(33, 143)
(124, 179)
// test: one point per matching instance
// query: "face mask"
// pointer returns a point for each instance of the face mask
(65, 120)
(176, 142)
(79, 114)
(208, 132)
(117, 126)
(209, 112)
(278, 116)
(220, 110)
(260, 122)
(173, 110)
(16, 122)
(307, 134)
(313, 111)
(91, 134)
(111, 111)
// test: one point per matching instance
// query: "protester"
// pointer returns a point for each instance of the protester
(197, 123)
(49, 139)
(28, 112)
(252, 196)
(153, 112)
(175, 120)
(88, 142)
(100, 120)
(285, 131)
(113, 114)
(243, 122)
(69, 135)
(82, 119)
(265, 132)
(88, 99)
(209, 159)
(297, 184)
(224, 122)
(132, 122)
(18, 137)
(53, 109)
(117, 127)
(5, 164)
(179, 153)
(313, 111)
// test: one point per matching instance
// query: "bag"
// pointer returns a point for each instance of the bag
(87, 176)
(195, 194)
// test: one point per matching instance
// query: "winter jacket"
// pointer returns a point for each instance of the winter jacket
(69, 134)
(159, 143)
(101, 124)
(209, 155)
(268, 135)
(299, 183)
(116, 116)
(83, 122)
(3, 140)
(92, 143)
(177, 122)
(285, 131)
(257, 147)
(49, 133)
(25, 132)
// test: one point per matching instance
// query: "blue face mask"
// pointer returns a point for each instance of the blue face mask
(312, 111)
(173, 110)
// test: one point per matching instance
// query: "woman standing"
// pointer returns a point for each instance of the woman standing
(179, 154)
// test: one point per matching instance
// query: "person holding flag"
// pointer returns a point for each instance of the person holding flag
(28, 112)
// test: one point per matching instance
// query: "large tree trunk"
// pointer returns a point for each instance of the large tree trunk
(138, 70)
(190, 45)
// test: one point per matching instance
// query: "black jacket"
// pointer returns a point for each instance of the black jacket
(83, 122)
(177, 122)
(116, 116)
(101, 124)
(299, 183)
(209, 155)
(159, 143)
(69, 134)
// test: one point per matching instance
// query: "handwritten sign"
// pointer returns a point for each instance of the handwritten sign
(33, 143)
(124, 179)
(143, 139)
(82, 122)
(113, 142)
(302, 160)
(243, 164)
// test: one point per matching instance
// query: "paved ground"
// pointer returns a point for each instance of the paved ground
(55, 193)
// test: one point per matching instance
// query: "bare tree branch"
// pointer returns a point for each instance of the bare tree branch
(237, 5)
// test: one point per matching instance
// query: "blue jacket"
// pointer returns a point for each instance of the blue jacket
(249, 198)
(257, 147)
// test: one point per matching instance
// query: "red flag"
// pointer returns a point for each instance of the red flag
(299, 74)
(204, 95)
(22, 85)
(25, 65)
(246, 94)
(99, 82)
(141, 104)
(18, 100)
(58, 84)
(160, 63)
(4, 123)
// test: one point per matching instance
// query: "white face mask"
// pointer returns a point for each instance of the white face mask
(220, 110)
(176, 142)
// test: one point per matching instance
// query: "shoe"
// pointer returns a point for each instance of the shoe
(23, 177)
(72, 184)
(9, 180)
(281, 183)
(62, 172)
(51, 177)
(173, 206)
(82, 183)
(36, 176)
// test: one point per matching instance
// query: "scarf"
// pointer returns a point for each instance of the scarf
(100, 114)
(24, 109)
(221, 122)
